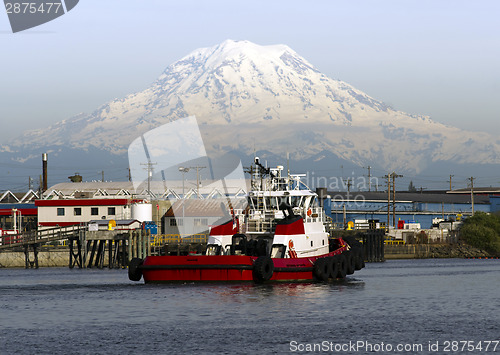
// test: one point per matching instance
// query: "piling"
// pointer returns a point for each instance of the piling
(129, 246)
(373, 245)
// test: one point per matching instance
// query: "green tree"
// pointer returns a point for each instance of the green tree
(482, 231)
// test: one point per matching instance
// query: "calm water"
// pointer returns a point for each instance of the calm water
(62, 311)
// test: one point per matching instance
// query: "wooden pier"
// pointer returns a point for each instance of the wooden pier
(371, 239)
(373, 243)
(87, 249)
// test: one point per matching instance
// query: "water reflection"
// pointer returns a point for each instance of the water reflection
(396, 301)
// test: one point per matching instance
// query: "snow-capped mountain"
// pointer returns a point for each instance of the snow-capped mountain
(249, 97)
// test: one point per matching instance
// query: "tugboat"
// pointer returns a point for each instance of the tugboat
(279, 236)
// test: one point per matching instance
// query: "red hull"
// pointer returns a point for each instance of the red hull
(157, 269)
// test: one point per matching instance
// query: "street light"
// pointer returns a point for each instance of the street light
(183, 170)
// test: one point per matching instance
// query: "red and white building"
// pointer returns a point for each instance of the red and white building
(65, 212)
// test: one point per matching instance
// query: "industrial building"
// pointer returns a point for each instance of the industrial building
(66, 212)
(420, 207)
(17, 212)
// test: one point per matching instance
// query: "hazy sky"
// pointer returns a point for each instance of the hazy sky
(438, 58)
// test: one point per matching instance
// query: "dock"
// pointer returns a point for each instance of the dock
(86, 249)
(82, 248)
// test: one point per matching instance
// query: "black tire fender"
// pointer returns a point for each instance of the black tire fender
(134, 270)
(350, 261)
(342, 263)
(263, 268)
(334, 267)
(321, 269)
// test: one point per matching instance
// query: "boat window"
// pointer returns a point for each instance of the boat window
(278, 251)
(281, 199)
(314, 202)
(295, 201)
(274, 203)
(213, 249)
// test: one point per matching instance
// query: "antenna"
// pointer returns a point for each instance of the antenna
(288, 168)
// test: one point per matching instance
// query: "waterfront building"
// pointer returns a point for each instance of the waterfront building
(18, 212)
(419, 207)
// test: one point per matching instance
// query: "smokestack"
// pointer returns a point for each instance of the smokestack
(44, 169)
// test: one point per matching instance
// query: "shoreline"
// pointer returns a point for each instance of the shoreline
(435, 251)
(59, 257)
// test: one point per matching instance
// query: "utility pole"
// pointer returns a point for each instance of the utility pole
(149, 168)
(198, 168)
(348, 182)
(183, 170)
(102, 176)
(345, 216)
(450, 180)
(394, 176)
(471, 179)
(388, 177)
(369, 178)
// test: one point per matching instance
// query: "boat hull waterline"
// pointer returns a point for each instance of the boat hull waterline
(228, 268)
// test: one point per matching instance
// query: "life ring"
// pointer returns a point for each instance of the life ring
(263, 268)
(322, 269)
(309, 212)
(134, 270)
(342, 263)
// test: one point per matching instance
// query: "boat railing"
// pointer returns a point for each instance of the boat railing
(314, 214)
(261, 225)
(162, 239)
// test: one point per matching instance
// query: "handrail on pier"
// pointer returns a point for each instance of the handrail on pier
(40, 237)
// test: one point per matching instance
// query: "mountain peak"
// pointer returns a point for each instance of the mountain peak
(231, 51)
(241, 92)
